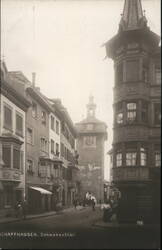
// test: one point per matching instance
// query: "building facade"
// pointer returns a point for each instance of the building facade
(13, 107)
(68, 134)
(90, 146)
(136, 152)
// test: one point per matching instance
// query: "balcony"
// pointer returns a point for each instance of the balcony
(131, 174)
(10, 174)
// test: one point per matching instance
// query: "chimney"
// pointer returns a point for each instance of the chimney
(33, 78)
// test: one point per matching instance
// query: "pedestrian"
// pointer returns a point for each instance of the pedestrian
(107, 211)
(24, 208)
(75, 202)
(18, 209)
(93, 202)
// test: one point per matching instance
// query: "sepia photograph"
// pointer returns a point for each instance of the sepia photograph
(80, 124)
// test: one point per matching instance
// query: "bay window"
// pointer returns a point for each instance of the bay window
(119, 159)
(143, 156)
(131, 112)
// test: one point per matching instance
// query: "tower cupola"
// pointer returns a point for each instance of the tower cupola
(91, 107)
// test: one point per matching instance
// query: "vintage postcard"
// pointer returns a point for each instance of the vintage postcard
(80, 121)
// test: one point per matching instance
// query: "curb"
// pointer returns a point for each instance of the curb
(39, 216)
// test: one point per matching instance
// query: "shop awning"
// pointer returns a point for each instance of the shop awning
(41, 190)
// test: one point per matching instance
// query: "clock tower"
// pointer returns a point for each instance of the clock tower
(90, 146)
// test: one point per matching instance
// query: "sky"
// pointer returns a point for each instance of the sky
(62, 41)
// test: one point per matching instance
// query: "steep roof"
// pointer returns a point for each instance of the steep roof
(132, 17)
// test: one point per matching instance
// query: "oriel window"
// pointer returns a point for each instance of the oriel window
(16, 158)
(131, 112)
(119, 159)
(6, 155)
(143, 156)
(7, 117)
(131, 158)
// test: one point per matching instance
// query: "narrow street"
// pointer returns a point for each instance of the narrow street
(73, 229)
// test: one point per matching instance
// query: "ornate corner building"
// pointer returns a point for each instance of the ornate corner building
(136, 151)
(90, 146)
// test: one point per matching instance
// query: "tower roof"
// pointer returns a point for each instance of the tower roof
(132, 16)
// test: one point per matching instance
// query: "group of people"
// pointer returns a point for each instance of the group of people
(21, 209)
(89, 200)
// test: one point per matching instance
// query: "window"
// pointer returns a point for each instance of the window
(52, 146)
(7, 117)
(19, 124)
(144, 112)
(34, 110)
(43, 117)
(8, 199)
(143, 157)
(89, 126)
(131, 112)
(119, 73)
(119, 159)
(16, 158)
(158, 76)
(145, 74)
(132, 71)
(119, 118)
(6, 155)
(57, 127)
(90, 141)
(119, 113)
(57, 149)
(29, 136)
(52, 123)
(44, 144)
(157, 114)
(62, 149)
(30, 166)
(131, 158)
(157, 159)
